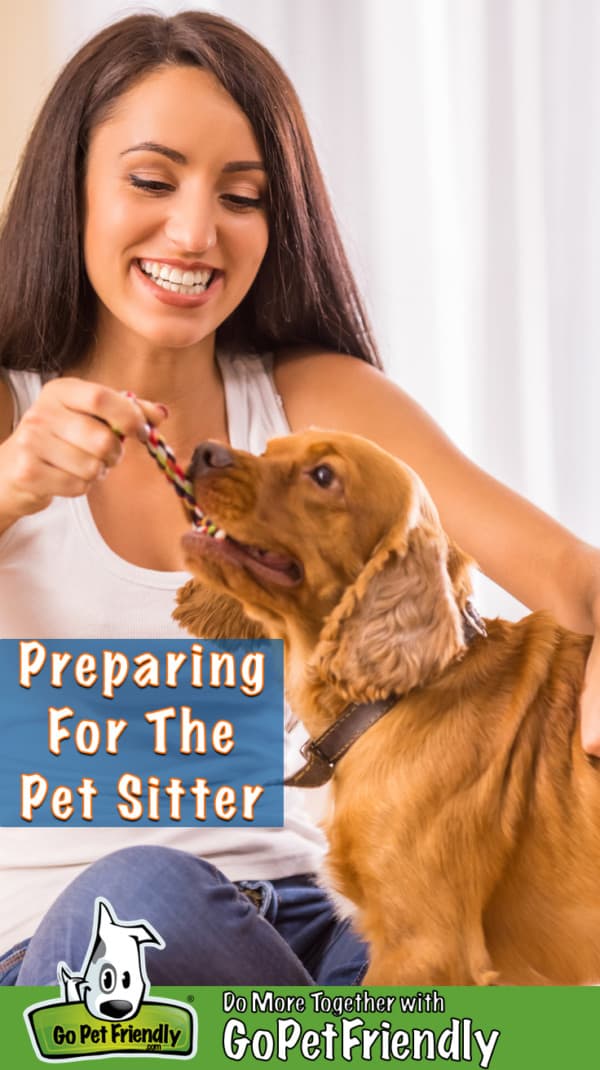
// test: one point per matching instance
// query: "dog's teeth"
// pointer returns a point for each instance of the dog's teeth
(200, 527)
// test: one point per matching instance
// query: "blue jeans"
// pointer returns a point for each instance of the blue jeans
(280, 932)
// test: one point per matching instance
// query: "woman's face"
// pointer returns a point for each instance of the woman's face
(175, 224)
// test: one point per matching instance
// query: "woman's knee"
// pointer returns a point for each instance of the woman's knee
(149, 866)
(171, 889)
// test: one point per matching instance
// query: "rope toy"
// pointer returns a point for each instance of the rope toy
(165, 459)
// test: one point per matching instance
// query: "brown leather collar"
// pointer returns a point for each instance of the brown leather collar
(322, 754)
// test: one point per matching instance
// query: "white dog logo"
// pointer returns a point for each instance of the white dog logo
(113, 979)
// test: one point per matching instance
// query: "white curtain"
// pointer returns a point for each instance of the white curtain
(461, 144)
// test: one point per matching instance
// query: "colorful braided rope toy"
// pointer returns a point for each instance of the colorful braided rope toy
(165, 458)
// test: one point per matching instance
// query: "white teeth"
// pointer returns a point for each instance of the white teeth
(175, 280)
(201, 528)
(173, 274)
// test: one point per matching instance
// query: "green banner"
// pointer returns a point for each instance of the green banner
(502, 1028)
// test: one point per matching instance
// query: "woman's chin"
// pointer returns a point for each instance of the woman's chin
(175, 339)
(158, 332)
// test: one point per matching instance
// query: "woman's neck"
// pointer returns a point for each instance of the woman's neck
(186, 380)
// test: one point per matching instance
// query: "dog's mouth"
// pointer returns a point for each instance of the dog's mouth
(268, 566)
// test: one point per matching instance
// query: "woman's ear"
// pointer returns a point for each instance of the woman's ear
(398, 625)
(208, 615)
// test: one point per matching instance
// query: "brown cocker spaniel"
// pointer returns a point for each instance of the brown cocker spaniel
(465, 822)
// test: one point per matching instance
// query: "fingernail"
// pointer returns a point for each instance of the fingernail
(144, 432)
(130, 394)
(163, 408)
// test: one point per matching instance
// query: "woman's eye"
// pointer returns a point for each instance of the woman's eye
(239, 203)
(323, 475)
(151, 185)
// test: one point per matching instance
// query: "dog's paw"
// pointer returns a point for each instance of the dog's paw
(487, 977)
(213, 616)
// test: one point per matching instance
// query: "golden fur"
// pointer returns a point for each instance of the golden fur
(465, 825)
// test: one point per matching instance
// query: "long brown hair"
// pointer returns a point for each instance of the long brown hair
(304, 292)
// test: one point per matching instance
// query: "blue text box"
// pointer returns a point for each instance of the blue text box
(208, 686)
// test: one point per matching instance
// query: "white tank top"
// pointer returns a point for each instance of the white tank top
(59, 579)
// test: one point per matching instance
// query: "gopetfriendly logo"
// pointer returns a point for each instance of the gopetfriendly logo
(105, 1009)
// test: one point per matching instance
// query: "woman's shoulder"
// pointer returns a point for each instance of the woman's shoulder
(328, 389)
(294, 361)
(312, 374)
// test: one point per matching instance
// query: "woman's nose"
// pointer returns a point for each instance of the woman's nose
(191, 225)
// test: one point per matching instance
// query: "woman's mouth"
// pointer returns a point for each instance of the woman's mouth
(175, 280)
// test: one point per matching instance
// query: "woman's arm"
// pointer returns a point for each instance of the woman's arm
(514, 543)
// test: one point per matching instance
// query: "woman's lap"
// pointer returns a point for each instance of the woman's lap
(213, 932)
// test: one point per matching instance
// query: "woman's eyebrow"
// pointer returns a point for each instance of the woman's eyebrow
(244, 165)
(152, 146)
(178, 157)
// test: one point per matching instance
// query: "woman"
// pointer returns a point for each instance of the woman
(168, 231)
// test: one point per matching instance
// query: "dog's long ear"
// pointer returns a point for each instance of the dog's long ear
(213, 616)
(399, 624)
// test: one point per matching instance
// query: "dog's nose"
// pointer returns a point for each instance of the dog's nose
(209, 455)
(116, 1008)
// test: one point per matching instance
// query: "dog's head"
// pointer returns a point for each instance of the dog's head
(114, 981)
(331, 538)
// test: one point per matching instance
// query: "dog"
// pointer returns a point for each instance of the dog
(465, 820)
(113, 979)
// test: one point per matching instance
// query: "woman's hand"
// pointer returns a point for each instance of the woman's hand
(69, 438)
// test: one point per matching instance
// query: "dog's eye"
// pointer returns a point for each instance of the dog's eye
(126, 979)
(323, 475)
(108, 978)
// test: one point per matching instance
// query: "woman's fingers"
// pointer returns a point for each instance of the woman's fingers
(123, 413)
(90, 437)
(153, 412)
(69, 437)
(72, 455)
